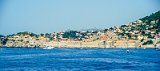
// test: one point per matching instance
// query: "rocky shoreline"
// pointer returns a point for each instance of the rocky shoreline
(94, 44)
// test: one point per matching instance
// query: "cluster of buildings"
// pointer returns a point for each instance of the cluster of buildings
(135, 34)
(143, 32)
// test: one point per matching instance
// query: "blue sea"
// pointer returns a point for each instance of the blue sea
(78, 59)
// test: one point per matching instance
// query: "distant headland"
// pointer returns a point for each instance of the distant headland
(144, 32)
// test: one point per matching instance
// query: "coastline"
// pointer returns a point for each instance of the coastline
(80, 44)
(84, 47)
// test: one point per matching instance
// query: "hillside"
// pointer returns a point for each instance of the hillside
(145, 29)
(153, 16)
(144, 32)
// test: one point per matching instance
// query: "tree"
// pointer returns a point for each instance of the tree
(129, 35)
(33, 34)
(158, 24)
(111, 28)
(148, 42)
(123, 25)
(47, 35)
(105, 30)
(41, 34)
(1, 36)
(70, 34)
(149, 35)
(153, 16)
(23, 33)
(143, 33)
(4, 41)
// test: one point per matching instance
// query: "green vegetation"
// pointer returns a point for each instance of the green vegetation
(70, 34)
(148, 42)
(1, 36)
(3, 39)
(23, 33)
(153, 16)
(27, 33)
(143, 27)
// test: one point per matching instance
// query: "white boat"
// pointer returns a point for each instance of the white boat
(48, 47)
(158, 47)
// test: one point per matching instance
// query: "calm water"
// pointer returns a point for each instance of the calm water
(69, 59)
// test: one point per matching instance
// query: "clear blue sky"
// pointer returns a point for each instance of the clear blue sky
(41, 16)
